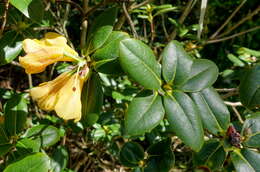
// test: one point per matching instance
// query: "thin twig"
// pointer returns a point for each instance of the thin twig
(232, 36)
(4, 18)
(72, 3)
(238, 115)
(228, 20)
(226, 89)
(185, 13)
(233, 103)
(130, 22)
(249, 16)
(94, 8)
(140, 4)
(122, 18)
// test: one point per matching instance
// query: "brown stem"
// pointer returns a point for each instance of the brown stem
(228, 20)
(130, 22)
(72, 3)
(249, 16)
(4, 18)
(232, 36)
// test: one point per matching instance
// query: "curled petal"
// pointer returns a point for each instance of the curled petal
(41, 53)
(63, 95)
(69, 105)
(46, 93)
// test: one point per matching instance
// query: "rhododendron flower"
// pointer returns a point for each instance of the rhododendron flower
(41, 53)
(63, 94)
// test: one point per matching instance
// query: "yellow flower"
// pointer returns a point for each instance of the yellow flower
(41, 53)
(63, 94)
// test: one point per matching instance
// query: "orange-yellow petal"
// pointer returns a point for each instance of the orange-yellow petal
(69, 105)
(41, 53)
(46, 93)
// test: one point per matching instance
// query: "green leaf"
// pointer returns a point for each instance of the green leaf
(33, 9)
(203, 74)
(160, 157)
(36, 10)
(213, 112)
(37, 162)
(211, 154)
(138, 60)
(184, 119)
(22, 5)
(15, 113)
(92, 100)
(176, 63)
(46, 135)
(144, 113)
(131, 154)
(3, 135)
(217, 159)
(252, 157)
(235, 60)
(10, 47)
(251, 131)
(59, 159)
(106, 57)
(100, 37)
(201, 157)
(249, 89)
(5, 148)
(26, 146)
(106, 18)
(240, 163)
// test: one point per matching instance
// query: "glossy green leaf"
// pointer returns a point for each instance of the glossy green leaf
(10, 47)
(5, 148)
(33, 9)
(92, 100)
(252, 157)
(144, 113)
(138, 60)
(212, 110)
(249, 89)
(176, 63)
(59, 159)
(106, 18)
(217, 159)
(235, 60)
(37, 162)
(218, 107)
(27, 146)
(201, 157)
(22, 5)
(240, 163)
(100, 37)
(202, 75)
(251, 131)
(106, 57)
(130, 154)
(160, 157)
(46, 135)
(184, 119)
(15, 113)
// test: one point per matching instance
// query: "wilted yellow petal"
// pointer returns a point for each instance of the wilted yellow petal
(41, 53)
(63, 95)
(69, 105)
(46, 93)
